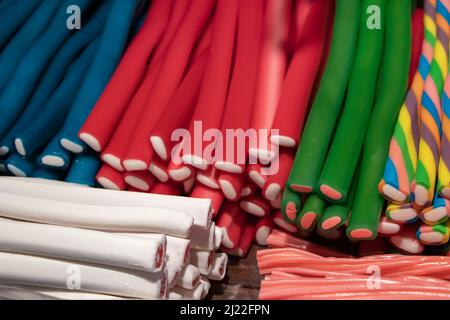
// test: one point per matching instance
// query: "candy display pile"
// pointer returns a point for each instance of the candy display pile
(146, 141)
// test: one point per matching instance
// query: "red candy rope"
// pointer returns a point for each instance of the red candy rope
(211, 102)
(216, 196)
(141, 180)
(233, 220)
(139, 152)
(110, 178)
(303, 70)
(109, 109)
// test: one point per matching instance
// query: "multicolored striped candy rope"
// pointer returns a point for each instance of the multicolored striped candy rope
(430, 113)
(402, 161)
(444, 163)
(434, 235)
(437, 213)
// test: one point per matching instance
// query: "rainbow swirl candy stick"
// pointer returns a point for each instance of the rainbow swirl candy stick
(444, 162)
(402, 161)
(424, 182)
(290, 205)
(434, 235)
(438, 213)
(402, 213)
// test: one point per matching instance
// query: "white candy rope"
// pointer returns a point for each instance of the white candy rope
(189, 277)
(198, 209)
(98, 217)
(202, 260)
(20, 269)
(82, 245)
(219, 267)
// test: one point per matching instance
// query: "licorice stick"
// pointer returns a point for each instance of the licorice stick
(241, 95)
(23, 40)
(275, 183)
(231, 185)
(402, 213)
(418, 30)
(303, 68)
(232, 220)
(272, 67)
(20, 166)
(47, 173)
(52, 273)
(110, 178)
(216, 196)
(55, 71)
(32, 65)
(107, 112)
(263, 229)
(431, 112)
(158, 168)
(280, 222)
(319, 126)
(141, 180)
(339, 168)
(13, 15)
(98, 217)
(367, 205)
(84, 169)
(388, 227)
(179, 172)
(213, 93)
(173, 274)
(256, 205)
(189, 277)
(291, 204)
(98, 247)
(438, 213)
(434, 235)
(179, 111)
(443, 187)
(199, 209)
(209, 177)
(219, 267)
(112, 44)
(55, 156)
(169, 189)
(138, 153)
(53, 113)
(311, 212)
(406, 240)
(404, 147)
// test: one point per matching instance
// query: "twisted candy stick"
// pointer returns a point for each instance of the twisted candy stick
(444, 163)
(438, 213)
(430, 114)
(402, 161)
(434, 235)
(402, 213)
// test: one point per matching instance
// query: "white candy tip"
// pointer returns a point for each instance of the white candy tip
(91, 141)
(70, 146)
(20, 147)
(113, 161)
(159, 146)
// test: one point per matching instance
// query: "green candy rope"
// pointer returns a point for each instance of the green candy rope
(336, 215)
(368, 203)
(291, 205)
(339, 168)
(311, 212)
(328, 103)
